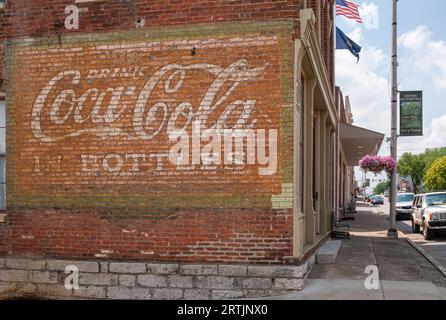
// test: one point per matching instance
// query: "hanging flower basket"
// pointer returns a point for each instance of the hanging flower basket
(377, 164)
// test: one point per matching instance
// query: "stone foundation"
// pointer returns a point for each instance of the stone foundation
(45, 279)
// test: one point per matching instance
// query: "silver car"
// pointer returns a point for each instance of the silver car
(404, 202)
(429, 213)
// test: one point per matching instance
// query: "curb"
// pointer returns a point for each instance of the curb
(427, 255)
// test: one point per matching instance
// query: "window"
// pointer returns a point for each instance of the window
(405, 198)
(415, 201)
(436, 199)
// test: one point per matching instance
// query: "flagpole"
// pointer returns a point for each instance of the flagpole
(392, 232)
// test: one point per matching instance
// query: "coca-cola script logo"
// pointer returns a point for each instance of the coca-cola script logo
(146, 122)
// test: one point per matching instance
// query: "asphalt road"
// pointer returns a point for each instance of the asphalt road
(436, 248)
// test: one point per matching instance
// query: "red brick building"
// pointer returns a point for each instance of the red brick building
(195, 139)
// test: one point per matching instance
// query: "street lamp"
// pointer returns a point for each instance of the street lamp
(392, 232)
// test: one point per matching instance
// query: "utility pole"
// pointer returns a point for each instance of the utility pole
(392, 232)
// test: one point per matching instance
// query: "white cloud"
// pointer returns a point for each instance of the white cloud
(368, 91)
(370, 15)
(435, 137)
(427, 55)
(422, 66)
(356, 35)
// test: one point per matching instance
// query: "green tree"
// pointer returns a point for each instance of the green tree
(435, 179)
(412, 166)
(431, 155)
(382, 187)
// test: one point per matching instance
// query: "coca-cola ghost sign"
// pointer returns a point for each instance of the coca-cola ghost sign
(116, 115)
(170, 78)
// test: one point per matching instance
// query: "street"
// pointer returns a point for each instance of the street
(401, 270)
(436, 247)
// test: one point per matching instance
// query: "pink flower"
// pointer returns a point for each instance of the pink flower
(377, 164)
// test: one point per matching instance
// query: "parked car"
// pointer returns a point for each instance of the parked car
(369, 197)
(429, 213)
(377, 200)
(404, 202)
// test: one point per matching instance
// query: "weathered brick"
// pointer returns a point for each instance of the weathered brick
(42, 277)
(126, 280)
(68, 221)
(163, 268)
(104, 267)
(128, 294)
(277, 271)
(222, 232)
(152, 281)
(226, 294)
(83, 266)
(232, 270)
(214, 282)
(53, 291)
(90, 292)
(199, 269)
(180, 281)
(197, 294)
(121, 267)
(14, 275)
(17, 289)
(257, 283)
(98, 279)
(261, 271)
(288, 284)
(26, 264)
(167, 294)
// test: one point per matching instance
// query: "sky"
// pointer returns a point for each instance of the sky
(422, 66)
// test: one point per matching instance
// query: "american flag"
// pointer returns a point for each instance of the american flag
(348, 9)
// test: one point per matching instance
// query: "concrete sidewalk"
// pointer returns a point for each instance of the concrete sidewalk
(403, 272)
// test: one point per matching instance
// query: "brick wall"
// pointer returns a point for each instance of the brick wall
(88, 179)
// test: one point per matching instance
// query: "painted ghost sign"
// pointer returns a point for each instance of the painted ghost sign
(147, 117)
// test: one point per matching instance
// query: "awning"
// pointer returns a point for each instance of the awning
(358, 142)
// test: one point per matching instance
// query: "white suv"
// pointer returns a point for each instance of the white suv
(404, 203)
(429, 213)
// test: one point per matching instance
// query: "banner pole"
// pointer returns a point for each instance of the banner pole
(392, 232)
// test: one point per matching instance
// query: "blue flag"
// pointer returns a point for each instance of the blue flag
(341, 3)
(344, 42)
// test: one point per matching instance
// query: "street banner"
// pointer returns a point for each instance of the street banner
(411, 113)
